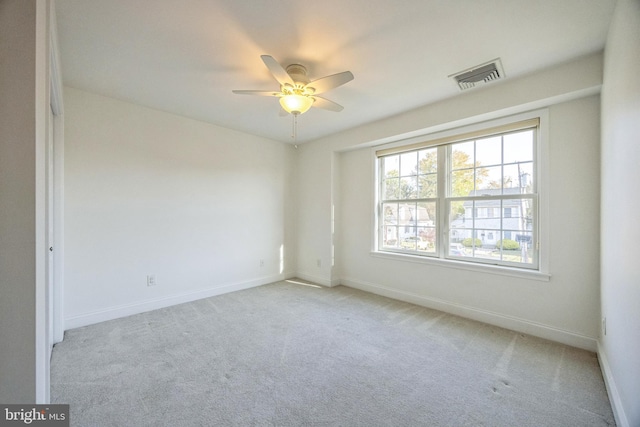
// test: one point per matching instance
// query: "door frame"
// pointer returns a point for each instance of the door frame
(57, 107)
(49, 320)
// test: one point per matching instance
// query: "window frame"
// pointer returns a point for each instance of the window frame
(539, 268)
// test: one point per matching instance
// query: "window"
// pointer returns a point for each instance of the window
(470, 198)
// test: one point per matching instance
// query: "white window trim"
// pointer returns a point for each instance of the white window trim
(542, 169)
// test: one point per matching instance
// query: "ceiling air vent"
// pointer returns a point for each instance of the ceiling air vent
(479, 75)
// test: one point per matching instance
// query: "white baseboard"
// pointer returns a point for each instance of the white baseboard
(612, 390)
(492, 318)
(124, 310)
(317, 279)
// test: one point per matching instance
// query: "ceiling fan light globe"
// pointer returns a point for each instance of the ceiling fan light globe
(296, 104)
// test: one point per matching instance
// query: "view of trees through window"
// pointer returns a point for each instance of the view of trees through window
(479, 195)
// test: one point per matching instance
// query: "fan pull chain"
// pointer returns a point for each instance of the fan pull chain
(294, 130)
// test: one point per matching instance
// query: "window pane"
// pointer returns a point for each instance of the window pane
(526, 245)
(457, 249)
(461, 182)
(390, 213)
(489, 151)
(472, 241)
(408, 187)
(409, 239)
(511, 178)
(391, 189)
(516, 247)
(519, 176)
(391, 166)
(462, 155)
(428, 161)
(428, 178)
(512, 218)
(407, 219)
(427, 213)
(488, 229)
(409, 164)
(488, 238)
(518, 147)
(428, 186)
(517, 215)
(488, 214)
(407, 214)
(459, 212)
(389, 227)
(390, 237)
(427, 222)
(483, 247)
(489, 179)
(426, 239)
(460, 224)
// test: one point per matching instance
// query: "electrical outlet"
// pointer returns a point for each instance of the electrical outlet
(151, 280)
(319, 263)
(604, 326)
(261, 263)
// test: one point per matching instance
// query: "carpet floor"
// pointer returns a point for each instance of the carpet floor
(294, 354)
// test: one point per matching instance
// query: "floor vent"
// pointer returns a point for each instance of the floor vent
(479, 75)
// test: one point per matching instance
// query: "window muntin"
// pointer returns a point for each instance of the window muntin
(485, 211)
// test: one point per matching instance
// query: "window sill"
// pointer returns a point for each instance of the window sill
(461, 265)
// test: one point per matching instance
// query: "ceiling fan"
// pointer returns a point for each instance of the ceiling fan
(297, 94)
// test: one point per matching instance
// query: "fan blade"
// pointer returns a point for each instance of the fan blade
(326, 83)
(325, 104)
(257, 92)
(279, 73)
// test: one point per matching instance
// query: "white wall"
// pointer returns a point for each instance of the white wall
(567, 302)
(147, 192)
(566, 307)
(314, 214)
(17, 192)
(24, 105)
(620, 206)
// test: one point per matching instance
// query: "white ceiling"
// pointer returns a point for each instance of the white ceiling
(185, 56)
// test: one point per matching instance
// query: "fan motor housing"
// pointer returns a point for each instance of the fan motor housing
(298, 73)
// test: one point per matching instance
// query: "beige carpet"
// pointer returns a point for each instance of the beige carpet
(287, 354)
